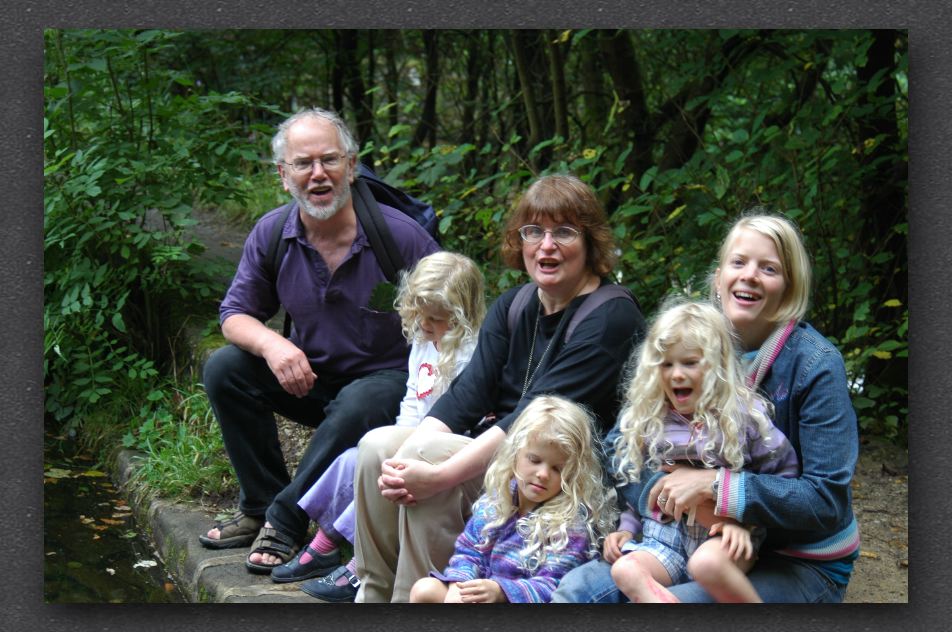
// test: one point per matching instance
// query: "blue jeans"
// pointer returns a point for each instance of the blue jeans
(777, 579)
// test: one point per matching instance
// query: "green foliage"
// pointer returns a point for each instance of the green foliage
(184, 453)
(693, 128)
(128, 151)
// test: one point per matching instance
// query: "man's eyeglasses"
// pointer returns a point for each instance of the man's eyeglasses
(532, 234)
(328, 162)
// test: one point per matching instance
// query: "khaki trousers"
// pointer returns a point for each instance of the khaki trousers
(397, 545)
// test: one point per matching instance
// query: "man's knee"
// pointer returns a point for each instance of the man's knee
(220, 369)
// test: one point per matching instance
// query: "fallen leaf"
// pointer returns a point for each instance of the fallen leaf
(51, 552)
(869, 554)
(111, 571)
(169, 586)
(56, 472)
(112, 522)
(99, 527)
(128, 535)
(145, 564)
(96, 536)
(904, 563)
(87, 520)
(74, 564)
(93, 474)
(123, 507)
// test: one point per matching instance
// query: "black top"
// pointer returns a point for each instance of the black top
(586, 370)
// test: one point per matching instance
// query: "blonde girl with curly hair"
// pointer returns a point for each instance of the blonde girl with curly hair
(441, 303)
(543, 512)
(687, 404)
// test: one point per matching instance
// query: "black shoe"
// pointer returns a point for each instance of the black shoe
(318, 566)
(326, 588)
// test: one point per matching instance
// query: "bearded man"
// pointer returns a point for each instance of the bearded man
(343, 369)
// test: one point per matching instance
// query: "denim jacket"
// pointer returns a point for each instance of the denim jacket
(811, 516)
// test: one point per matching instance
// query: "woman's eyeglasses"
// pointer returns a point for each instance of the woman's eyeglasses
(532, 234)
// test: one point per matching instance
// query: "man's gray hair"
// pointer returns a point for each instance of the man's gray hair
(346, 137)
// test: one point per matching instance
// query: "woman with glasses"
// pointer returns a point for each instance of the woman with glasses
(415, 486)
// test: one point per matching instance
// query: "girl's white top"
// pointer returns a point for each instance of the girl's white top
(421, 382)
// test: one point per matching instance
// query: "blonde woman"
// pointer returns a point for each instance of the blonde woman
(762, 284)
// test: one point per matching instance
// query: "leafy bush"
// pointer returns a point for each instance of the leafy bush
(122, 173)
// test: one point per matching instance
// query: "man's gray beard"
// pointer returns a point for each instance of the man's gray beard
(321, 212)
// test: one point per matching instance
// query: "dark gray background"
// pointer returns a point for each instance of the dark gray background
(21, 381)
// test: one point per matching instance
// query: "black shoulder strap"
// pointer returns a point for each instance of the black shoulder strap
(277, 246)
(601, 295)
(594, 300)
(518, 304)
(378, 233)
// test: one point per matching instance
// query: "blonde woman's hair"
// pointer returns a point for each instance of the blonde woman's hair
(797, 272)
(725, 405)
(450, 283)
(585, 500)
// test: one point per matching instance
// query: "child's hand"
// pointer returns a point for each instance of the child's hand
(735, 539)
(481, 591)
(452, 593)
(611, 549)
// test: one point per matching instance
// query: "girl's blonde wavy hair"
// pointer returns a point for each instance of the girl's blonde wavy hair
(585, 499)
(450, 283)
(724, 406)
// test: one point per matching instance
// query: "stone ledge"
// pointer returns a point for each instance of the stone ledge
(203, 575)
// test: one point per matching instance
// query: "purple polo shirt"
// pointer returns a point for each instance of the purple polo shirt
(333, 324)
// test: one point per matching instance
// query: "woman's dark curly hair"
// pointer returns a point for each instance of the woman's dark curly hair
(563, 199)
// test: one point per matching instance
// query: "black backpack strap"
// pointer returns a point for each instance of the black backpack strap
(601, 295)
(378, 233)
(518, 304)
(384, 193)
(277, 246)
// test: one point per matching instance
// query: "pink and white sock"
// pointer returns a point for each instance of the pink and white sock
(321, 543)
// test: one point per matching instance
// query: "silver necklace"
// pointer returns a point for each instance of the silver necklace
(535, 334)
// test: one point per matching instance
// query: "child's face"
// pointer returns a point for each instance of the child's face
(434, 323)
(681, 376)
(538, 473)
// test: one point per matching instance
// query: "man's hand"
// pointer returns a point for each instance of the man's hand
(735, 539)
(290, 366)
(481, 591)
(611, 549)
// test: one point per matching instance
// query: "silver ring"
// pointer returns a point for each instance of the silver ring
(663, 500)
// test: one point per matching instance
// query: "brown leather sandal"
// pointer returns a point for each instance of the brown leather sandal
(239, 531)
(272, 542)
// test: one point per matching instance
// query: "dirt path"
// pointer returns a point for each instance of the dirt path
(880, 502)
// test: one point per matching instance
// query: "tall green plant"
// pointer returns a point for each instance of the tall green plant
(129, 148)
